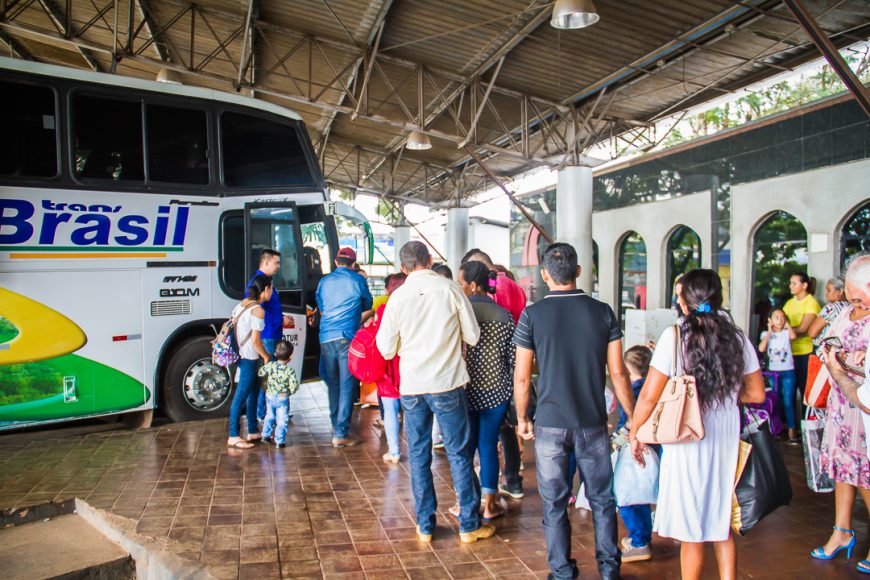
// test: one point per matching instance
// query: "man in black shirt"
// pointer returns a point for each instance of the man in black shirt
(574, 338)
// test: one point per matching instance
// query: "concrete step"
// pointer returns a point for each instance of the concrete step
(65, 547)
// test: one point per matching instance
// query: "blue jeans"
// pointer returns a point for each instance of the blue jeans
(591, 448)
(277, 416)
(246, 396)
(339, 384)
(787, 391)
(269, 345)
(638, 522)
(485, 426)
(451, 408)
(391, 423)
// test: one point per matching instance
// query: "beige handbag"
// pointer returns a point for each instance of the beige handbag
(676, 417)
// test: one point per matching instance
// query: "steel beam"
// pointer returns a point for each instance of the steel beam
(63, 24)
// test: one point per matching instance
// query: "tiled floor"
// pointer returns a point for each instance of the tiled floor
(311, 511)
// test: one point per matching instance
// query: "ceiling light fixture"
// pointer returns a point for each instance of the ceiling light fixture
(574, 14)
(418, 141)
(169, 76)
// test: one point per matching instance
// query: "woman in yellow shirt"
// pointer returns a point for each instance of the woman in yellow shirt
(801, 310)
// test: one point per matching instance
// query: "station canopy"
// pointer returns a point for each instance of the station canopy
(485, 79)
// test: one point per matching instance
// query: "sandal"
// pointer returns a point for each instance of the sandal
(239, 444)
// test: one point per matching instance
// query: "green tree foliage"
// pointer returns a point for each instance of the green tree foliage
(7, 330)
(780, 251)
(28, 382)
(775, 98)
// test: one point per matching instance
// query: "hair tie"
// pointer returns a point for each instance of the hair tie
(703, 308)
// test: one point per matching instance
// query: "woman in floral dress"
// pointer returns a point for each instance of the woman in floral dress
(844, 445)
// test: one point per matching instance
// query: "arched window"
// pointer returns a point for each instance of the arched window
(855, 235)
(683, 255)
(779, 249)
(632, 274)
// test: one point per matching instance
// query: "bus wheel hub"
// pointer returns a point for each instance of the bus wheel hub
(206, 386)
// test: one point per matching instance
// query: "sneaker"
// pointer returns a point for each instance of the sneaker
(516, 493)
(484, 531)
(394, 459)
(631, 553)
(794, 441)
(280, 445)
(268, 440)
(344, 441)
(438, 445)
(424, 538)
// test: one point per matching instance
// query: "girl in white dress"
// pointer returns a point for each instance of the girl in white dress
(697, 478)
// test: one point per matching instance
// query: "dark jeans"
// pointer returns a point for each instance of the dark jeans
(451, 408)
(485, 426)
(511, 448)
(269, 345)
(339, 384)
(591, 448)
(801, 367)
(245, 397)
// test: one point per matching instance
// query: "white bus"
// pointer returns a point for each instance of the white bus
(132, 215)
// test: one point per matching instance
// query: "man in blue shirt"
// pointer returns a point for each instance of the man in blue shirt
(342, 297)
(270, 263)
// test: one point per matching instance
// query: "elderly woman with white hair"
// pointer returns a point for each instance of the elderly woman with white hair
(835, 296)
(844, 449)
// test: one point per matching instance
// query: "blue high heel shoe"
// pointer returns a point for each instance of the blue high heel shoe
(864, 567)
(819, 553)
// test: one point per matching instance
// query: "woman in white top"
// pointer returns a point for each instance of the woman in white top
(249, 327)
(697, 478)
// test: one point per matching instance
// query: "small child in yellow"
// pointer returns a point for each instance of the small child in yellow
(281, 383)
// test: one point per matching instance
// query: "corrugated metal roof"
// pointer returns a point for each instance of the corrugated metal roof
(556, 91)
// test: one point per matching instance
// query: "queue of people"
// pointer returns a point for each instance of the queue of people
(465, 353)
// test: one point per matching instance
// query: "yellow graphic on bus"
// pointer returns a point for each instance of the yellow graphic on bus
(43, 333)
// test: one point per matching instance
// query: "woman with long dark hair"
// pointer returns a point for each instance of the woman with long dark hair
(697, 478)
(491, 368)
(250, 322)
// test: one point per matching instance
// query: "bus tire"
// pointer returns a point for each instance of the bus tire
(193, 388)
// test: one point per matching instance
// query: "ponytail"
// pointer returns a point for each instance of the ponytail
(477, 272)
(808, 280)
(258, 286)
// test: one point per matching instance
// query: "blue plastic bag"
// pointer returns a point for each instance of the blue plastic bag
(632, 483)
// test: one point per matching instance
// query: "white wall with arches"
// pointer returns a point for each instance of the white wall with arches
(822, 199)
(654, 222)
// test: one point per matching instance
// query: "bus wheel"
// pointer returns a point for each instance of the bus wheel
(193, 387)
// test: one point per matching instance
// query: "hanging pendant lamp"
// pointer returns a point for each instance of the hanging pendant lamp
(418, 141)
(574, 14)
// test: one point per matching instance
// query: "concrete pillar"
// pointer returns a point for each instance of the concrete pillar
(401, 236)
(655, 274)
(574, 219)
(456, 237)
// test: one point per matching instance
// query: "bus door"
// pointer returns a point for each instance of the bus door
(275, 225)
(319, 246)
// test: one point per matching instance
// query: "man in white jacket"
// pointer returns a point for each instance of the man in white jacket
(425, 322)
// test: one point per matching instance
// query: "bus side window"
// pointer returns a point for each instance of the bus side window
(258, 152)
(108, 139)
(27, 116)
(177, 145)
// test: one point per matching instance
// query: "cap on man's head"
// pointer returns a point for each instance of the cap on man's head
(347, 254)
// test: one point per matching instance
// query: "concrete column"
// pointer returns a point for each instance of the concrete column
(401, 236)
(456, 237)
(574, 219)
(655, 274)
